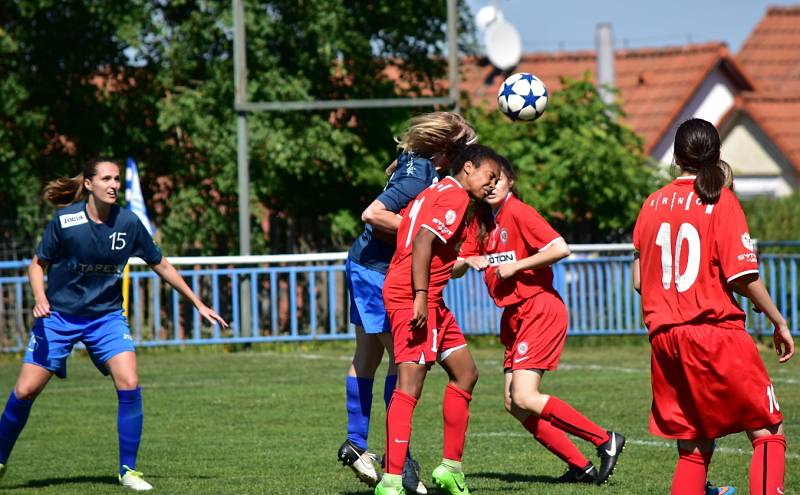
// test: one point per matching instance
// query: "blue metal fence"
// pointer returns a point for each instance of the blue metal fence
(296, 298)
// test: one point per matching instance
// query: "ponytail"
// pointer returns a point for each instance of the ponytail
(697, 150)
(709, 183)
(63, 192)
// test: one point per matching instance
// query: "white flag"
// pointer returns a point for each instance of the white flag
(133, 195)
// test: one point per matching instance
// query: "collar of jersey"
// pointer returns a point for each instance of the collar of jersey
(457, 183)
(686, 177)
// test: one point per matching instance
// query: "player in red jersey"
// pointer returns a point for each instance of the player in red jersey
(707, 376)
(423, 329)
(516, 247)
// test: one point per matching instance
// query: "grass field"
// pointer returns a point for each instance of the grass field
(269, 421)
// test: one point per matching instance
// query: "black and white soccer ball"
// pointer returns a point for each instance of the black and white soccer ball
(522, 96)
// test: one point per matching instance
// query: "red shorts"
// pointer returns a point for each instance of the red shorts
(533, 332)
(709, 382)
(424, 346)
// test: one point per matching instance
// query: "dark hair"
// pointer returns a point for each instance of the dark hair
(475, 153)
(697, 149)
(67, 190)
(482, 212)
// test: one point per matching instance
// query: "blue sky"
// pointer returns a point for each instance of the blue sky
(570, 24)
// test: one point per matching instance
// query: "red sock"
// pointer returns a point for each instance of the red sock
(556, 441)
(565, 417)
(690, 473)
(455, 410)
(398, 430)
(768, 465)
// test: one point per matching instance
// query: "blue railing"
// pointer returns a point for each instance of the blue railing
(303, 297)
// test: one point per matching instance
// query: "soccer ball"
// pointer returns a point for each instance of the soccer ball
(522, 96)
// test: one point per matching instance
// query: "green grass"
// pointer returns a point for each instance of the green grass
(269, 421)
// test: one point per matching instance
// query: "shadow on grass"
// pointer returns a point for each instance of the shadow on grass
(515, 477)
(107, 480)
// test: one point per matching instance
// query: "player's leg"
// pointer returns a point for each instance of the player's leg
(691, 472)
(580, 469)
(30, 383)
(111, 348)
(411, 481)
(768, 464)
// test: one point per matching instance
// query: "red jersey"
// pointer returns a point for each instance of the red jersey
(440, 209)
(689, 251)
(519, 232)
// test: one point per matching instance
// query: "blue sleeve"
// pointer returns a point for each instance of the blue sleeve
(51, 241)
(400, 193)
(145, 247)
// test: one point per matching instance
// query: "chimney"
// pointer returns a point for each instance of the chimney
(605, 61)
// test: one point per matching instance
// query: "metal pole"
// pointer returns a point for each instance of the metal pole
(452, 48)
(242, 158)
(604, 40)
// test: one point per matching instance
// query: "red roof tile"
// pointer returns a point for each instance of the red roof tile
(654, 83)
(771, 54)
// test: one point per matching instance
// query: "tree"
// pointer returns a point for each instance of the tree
(578, 164)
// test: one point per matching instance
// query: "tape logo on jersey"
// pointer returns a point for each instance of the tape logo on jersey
(501, 258)
(72, 219)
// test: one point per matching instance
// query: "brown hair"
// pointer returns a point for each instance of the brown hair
(435, 133)
(697, 149)
(64, 191)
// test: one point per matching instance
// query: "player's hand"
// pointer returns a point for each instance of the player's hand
(784, 345)
(419, 318)
(41, 309)
(211, 316)
(506, 271)
(478, 263)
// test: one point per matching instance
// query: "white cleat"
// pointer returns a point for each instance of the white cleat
(133, 480)
(411, 480)
(360, 461)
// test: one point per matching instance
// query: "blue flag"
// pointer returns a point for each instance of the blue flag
(133, 195)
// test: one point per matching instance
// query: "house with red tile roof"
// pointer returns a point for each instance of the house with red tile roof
(661, 87)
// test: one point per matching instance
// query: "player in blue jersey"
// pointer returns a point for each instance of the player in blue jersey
(429, 143)
(84, 250)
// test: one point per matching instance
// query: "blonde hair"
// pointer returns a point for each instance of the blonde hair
(436, 132)
(726, 168)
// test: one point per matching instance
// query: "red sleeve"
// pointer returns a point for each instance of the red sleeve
(637, 234)
(470, 245)
(445, 215)
(533, 228)
(732, 243)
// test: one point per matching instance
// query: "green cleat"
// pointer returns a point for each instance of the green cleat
(450, 482)
(2, 470)
(381, 489)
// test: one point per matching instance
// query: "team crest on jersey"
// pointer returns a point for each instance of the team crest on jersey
(522, 348)
(72, 219)
(747, 241)
(503, 258)
(450, 217)
(504, 236)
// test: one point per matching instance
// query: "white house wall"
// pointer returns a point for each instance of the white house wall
(711, 102)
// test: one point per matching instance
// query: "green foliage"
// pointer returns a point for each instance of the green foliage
(773, 219)
(584, 170)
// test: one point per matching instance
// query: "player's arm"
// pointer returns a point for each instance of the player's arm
(478, 263)
(636, 273)
(381, 218)
(421, 253)
(36, 272)
(167, 271)
(555, 251)
(751, 286)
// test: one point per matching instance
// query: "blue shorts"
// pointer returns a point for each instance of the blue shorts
(366, 298)
(53, 337)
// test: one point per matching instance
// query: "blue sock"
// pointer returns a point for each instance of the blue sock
(15, 415)
(129, 426)
(388, 389)
(359, 407)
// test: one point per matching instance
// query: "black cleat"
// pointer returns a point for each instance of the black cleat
(587, 474)
(360, 461)
(609, 453)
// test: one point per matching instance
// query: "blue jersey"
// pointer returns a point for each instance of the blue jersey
(86, 259)
(412, 176)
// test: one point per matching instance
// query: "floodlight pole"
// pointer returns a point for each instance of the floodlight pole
(242, 158)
